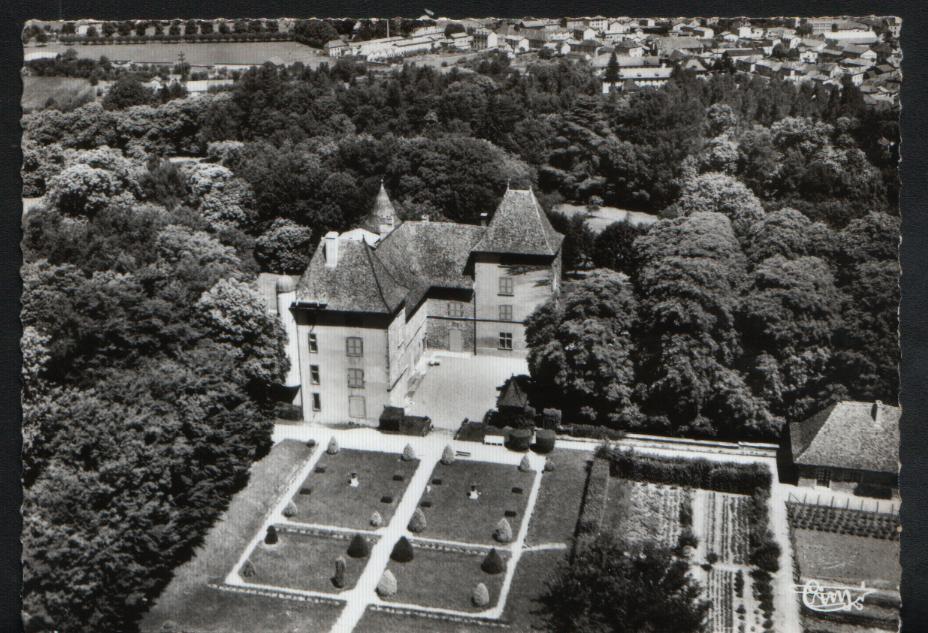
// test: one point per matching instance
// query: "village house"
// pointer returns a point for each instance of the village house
(850, 446)
(484, 39)
(374, 299)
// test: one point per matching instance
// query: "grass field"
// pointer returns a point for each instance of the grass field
(453, 516)
(443, 579)
(848, 559)
(200, 54)
(188, 601)
(604, 216)
(66, 92)
(305, 561)
(559, 498)
(333, 502)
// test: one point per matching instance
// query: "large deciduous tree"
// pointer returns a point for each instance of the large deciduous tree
(612, 586)
(582, 347)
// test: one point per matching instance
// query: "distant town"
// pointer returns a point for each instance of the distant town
(628, 53)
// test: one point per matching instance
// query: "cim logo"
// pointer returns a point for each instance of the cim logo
(831, 598)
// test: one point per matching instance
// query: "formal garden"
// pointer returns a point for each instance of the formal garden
(327, 497)
(467, 501)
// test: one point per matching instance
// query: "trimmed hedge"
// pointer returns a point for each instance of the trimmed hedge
(680, 471)
(493, 563)
(339, 578)
(417, 523)
(359, 547)
(270, 538)
(590, 431)
(402, 551)
(594, 500)
(520, 440)
(544, 440)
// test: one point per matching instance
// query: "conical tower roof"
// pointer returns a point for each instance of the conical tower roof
(382, 219)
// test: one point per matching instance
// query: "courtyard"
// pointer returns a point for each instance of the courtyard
(461, 387)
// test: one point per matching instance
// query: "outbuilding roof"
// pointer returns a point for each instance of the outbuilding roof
(854, 435)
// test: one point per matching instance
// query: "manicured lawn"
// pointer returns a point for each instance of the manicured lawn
(381, 622)
(209, 610)
(187, 598)
(443, 579)
(848, 559)
(522, 612)
(331, 501)
(559, 498)
(523, 609)
(455, 517)
(305, 561)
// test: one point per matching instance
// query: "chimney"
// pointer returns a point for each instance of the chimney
(331, 249)
(483, 218)
(875, 410)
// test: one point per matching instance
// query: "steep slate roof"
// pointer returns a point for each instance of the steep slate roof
(422, 255)
(358, 283)
(382, 213)
(846, 435)
(521, 227)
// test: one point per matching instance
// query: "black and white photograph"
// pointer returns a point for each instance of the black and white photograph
(427, 324)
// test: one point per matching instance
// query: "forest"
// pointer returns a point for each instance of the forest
(768, 287)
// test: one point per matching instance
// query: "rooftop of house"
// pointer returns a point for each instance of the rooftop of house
(520, 226)
(855, 435)
(347, 273)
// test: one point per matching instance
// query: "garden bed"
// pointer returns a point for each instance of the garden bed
(726, 526)
(848, 559)
(444, 579)
(644, 512)
(325, 498)
(452, 516)
(305, 561)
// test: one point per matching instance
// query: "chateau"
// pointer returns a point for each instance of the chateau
(374, 299)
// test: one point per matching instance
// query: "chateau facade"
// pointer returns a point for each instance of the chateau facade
(374, 299)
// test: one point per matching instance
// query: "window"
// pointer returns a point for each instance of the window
(354, 346)
(505, 286)
(314, 374)
(505, 313)
(357, 407)
(317, 402)
(822, 477)
(505, 340)
(456, 310)
(356, 378)
(313, 344)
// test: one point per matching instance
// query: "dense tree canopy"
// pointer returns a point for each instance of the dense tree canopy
(611, 586)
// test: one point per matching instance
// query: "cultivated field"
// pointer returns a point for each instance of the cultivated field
(65, 92)
(644, 511)
(200, 53)
(846, 558)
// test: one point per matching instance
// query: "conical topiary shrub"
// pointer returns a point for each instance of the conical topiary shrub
(549, 466)
(493, 563)
(503, 532)
(417, 523)
(290, 510)
(387, 585)
(359, 547)
(248, 570)
(339, 578)
(480, 597)
(271, 537)
(524, 464)
(402, 551)
(447, 455)
(332, 447)
(376, 519)
(408, 453)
